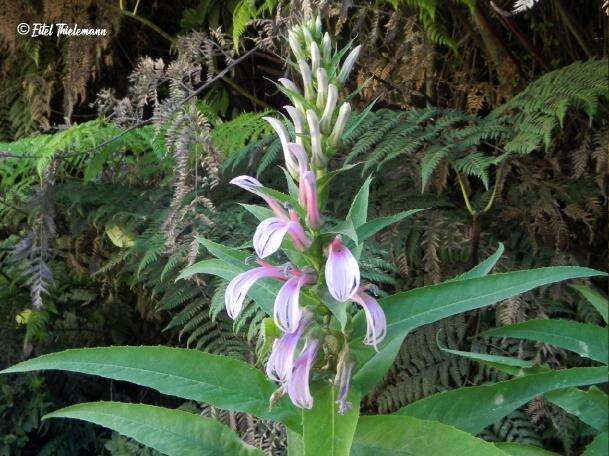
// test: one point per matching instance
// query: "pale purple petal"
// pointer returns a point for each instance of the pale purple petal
(269, 235)
(237, 289)
(281, 360)
(299, 237)
(342, 271)
(375, 319)
(298, 384)
(343, 388)
(252, 185)
(287, 310)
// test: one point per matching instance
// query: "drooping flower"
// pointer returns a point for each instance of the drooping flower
(344, 380)
(376, 323)
(237, 289)
(252, 185)
(298, 383)
(270, 233)
(287, 312)
(281, 360)
(342, 271)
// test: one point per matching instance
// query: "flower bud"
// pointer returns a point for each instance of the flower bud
(322, 87)
(317, 157)
(298, 121)
(308, 38)
(348, 64)
(341, 122)
(318, 26)
(295, 45)
(326, 119)
(315, 57)
(326, 48)
(307, 80)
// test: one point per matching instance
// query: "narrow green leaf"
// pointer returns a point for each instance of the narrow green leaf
(228, 254)
(392, 435)
(260, 212)
(471, 409)
(587, 340)
(589, 406)
(325, 432)
(483, 268)
(411, 309)
(295, 443)
(358, 212)
(599, 301)
(324, 180)
(345, 228)
(221, 381)
(172, 432)
(518, 449)
(372, 227)
(492, 359)
(598, 447)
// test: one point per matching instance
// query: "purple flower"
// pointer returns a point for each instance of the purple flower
(251, 185)
(375, 318)
(270, 234)
(238, 287)
(342, 271)
(298, 383)
(287, 312)
(344, 380)
(281, 360)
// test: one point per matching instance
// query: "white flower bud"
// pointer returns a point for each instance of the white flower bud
(317, 157)
(307, 80)
(308, 38)
(326, 118)
(348, 64)
(326, 48)
(290, 163)
(295, 45)
(288, 84)
(322, 87)
(318, 26)
(315, 57)
(298, 121)
(341, 122)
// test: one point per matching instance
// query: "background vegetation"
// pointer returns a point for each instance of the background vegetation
(113, 150)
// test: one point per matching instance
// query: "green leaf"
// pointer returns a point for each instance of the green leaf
(172, 432)
(324, 180)
(411, 309)
(344, 227)
(283, 198)
(518, 449)
(358, 212)
(587, 340)
(513, 366)
(325, 432)
(598, 447)
(295, 443)
(260, 212)
(589, 406)
(221, 381)
(483, 268)
(372, 227)
(471, 409)
(596, 299)
(227, 254)
(392, 435)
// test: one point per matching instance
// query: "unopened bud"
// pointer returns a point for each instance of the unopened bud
(307, 81)
(326, 48)
(341, 122)
(317, 157)
(315, 57)
(348, 64)
(326, 119)
(322, 87)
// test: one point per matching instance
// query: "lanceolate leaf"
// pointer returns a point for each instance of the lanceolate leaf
(598, 447)
(517, 449)
(411, 309)
(372, 227)
(587, 340)
(589, 406)
(471, 409)
(358, 212)
(596, 299)
(325, 432)
(391, 435)
(172, 432)
(221, 381)
(483, 268)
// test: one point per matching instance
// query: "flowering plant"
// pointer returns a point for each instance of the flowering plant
(326, 356)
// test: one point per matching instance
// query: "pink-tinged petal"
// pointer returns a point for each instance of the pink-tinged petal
(269, 235)
(376, 322)
(298, 384)
(281, 360)
(287, 310)
(344, 376)
(299, 238)
(342, 271)
(237, 289)
(252, 185)
(308, 188)
(299, 155)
